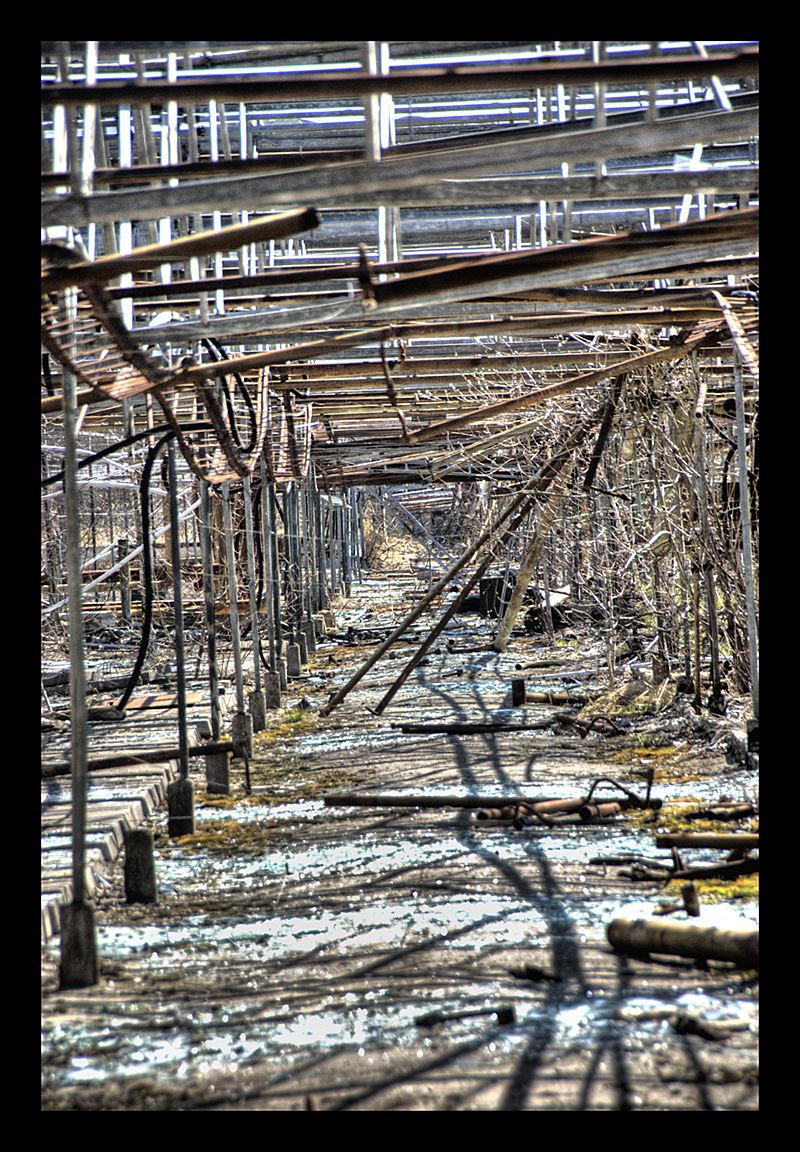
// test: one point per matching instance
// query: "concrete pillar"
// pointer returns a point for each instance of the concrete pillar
(78, 946)
(140, 868)
(280, 668)
(218, 773)
(311, 641)
(302, 644)
(180, 806)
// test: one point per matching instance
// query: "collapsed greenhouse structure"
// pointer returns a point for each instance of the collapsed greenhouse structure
(493, 305)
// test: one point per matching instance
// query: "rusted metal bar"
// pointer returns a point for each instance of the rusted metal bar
(742, 840)
(201, 244)
(520, 697)
(390, 179)
(665, 937)
(728, 871)
(499, 542)
(701, 335)
(501, 1015)
(465, 728)
(602, 435)
(412, 81)
(130, 759)
(421, 800)
(600, 811)
(437, 589)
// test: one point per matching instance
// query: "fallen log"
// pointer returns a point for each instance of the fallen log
(660, 936)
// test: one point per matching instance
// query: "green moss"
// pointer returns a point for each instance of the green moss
(230, 837)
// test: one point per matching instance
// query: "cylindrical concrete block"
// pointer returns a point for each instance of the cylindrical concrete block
(292, 661)
(319, 626)
(283, 678)
(257, 711)
(272, 690)
(328, 617)
(218, 773)
(140, 867)
(311, 641)
(180, 805)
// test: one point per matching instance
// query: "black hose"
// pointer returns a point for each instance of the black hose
(147, 569)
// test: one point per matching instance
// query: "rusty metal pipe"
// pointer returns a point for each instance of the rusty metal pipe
(376, 800)
(599, 811)
(662, 936)
(106, 268)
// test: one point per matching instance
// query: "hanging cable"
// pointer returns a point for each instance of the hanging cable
(147, 569)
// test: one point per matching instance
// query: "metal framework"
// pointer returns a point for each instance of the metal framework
(389, 227)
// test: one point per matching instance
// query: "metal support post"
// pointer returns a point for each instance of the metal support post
(241, 725)
(208, 592)
(256, 697)
(180, 794)
(747, 538)
(78, 933)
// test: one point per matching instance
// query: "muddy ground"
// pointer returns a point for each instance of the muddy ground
(304, 957)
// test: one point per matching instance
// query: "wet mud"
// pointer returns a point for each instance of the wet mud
(308, 957)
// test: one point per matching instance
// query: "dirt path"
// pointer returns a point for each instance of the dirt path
(304, 957)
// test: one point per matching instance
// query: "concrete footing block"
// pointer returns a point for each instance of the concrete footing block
(78, 946)
(242, 731)
(218, 777)
(258, 710)
(140, 867)
(180, 806)
(272, 690)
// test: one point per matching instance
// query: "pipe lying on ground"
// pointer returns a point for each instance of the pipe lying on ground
(743, 840)
(662, 936)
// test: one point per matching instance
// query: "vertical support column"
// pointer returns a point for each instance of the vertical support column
(180, 794)
(208, 593)
(747, 537)
(256, 697)
(242, 728)
(124, 581)
(347, 574)
(78, 932)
